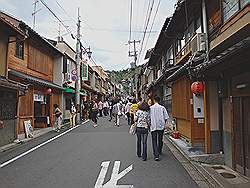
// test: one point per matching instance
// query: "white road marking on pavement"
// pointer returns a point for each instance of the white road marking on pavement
(102, 174)
(115, 176)
(38, 146)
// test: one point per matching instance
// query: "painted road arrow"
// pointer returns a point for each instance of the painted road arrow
(115, 176)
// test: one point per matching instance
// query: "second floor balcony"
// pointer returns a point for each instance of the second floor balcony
(195, 44)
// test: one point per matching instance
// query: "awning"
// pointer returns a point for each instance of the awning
(233, 50)
(68, 90)
(178, 72)
(4, 82)
(34, 80)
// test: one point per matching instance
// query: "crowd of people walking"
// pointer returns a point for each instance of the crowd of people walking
(146, 116)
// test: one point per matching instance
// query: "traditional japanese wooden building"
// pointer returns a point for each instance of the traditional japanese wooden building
(31, 61)
(10, 90)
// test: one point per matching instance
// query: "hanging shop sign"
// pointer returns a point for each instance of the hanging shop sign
(39, 97)
(85, 70)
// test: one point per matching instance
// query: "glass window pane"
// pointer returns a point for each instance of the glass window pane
(229, 8)
(244, 2)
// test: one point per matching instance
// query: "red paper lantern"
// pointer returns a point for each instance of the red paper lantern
(197, 88)
(48, 91)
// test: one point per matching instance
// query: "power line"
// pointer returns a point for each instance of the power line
(65, 11)
(144, 23)
(129, 42)
(51, 11)
(117, 30)
(157, 9)
(130, 20)
(146, 26)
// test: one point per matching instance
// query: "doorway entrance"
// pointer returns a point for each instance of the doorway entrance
(241, 122)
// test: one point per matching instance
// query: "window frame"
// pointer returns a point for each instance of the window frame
(240, 5)
(19, 52)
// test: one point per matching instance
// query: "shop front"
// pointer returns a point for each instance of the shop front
(37, 105)
(68, 98)
(42, 109)
(9, 93)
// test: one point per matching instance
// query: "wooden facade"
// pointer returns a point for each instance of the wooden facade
(9, 89)
(182, 106)
(232, 75)
(37, 63)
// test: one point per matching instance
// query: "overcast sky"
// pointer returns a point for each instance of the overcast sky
(105, 24)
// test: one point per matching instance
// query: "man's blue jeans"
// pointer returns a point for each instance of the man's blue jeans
(157, 142)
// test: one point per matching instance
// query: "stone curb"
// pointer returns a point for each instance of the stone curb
(208, 177)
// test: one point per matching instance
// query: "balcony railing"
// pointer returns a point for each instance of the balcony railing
(233, 6)
(184, 52)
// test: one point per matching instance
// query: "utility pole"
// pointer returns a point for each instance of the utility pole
(78, 81)
(134, 52)
(34, 13)
(133, 64)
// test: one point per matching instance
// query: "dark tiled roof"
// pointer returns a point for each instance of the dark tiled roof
(35, 80)
(4, 82)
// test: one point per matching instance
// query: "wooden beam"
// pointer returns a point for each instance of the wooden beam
(207, 120)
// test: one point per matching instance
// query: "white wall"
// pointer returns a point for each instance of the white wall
(58, 69)
(213, 105)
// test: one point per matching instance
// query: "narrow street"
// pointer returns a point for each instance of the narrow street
(74, 160)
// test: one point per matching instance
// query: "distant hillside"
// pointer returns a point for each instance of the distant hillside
(126, 75)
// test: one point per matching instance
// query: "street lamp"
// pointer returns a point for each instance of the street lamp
(87, 51)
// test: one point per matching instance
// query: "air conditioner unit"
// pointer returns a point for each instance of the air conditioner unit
(198, 42)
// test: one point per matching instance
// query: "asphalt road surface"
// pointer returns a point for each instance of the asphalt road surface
(89, 157)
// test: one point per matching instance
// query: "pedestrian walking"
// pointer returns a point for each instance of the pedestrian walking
(150, 103)
(105, 108)
(100, 107)
(127, 111)
(115, 111)
(158, 119)
(111, 106)
(72, 118)
(133, 110)
(119, 113)
(142, 120)
(58, 118)
(139, 101)
(94, 113)
(85, 110)
(90, 106)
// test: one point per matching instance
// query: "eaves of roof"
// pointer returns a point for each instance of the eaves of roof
(11, 84)
(11, 26)
(35, 80)
(24, 26)
(233, 50)
(172, 27)
(21, 27)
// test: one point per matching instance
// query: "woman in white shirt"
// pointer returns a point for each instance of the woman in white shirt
(142, 120)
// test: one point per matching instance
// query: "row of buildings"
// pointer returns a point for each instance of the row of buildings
(205, 42)
(35, 74)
